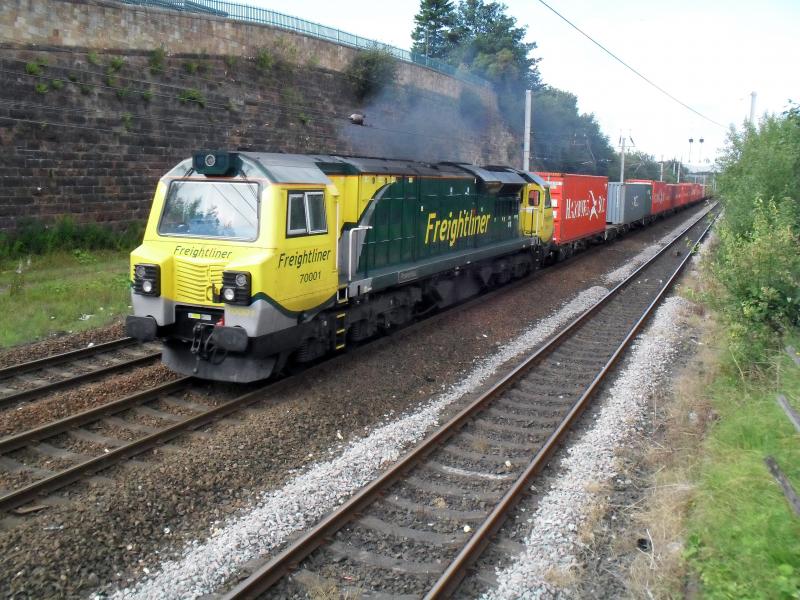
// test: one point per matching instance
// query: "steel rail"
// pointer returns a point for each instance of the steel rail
(20, 440)
(47, 361)
(59, 480)
(449, 581)
(80, 378)
(261, 580)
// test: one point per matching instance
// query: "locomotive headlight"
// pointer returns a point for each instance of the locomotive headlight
(236, 287)
(147, 280)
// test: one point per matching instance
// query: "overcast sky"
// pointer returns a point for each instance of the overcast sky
(710, 54)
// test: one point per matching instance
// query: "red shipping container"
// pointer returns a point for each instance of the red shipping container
(698, 191)
(686, 194)
(661, 198)
(579, 205)
(673, 193)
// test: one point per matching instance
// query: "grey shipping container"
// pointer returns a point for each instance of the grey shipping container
(628, 202)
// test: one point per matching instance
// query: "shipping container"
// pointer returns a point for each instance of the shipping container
(579, 205)
(678, 193)
(686, 194)
(660, 195)
(628, 202)
(672, 195)
(698, 192)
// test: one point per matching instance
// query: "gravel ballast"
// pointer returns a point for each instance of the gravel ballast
(60, 344)
(552, 544)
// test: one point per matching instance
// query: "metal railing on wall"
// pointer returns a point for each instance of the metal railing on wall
(262, 16)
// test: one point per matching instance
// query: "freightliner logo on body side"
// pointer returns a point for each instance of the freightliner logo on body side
(466, 224)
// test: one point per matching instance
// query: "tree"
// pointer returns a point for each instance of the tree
(489, 43)
(480, 37)
(433, 32)
(564, 139)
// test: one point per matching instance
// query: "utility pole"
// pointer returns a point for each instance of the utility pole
(526, 151)
(752, 108)
(622, 162)
(680, 162)
(661, 177)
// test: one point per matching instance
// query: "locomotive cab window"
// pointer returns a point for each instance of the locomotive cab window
(224, 209)
(547, 199)
(306, 214)
(533, 198)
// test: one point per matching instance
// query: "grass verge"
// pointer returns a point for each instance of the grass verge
(743, 539)
(61, 292)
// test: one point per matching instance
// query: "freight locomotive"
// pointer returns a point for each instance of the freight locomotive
(251, 260)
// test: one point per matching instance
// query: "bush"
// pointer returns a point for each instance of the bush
(35, 237)
(57, 84)
(760, 272)
(758, 260)
(116, 63)
(34, 68)
(763, 163)
(371, 71)
(192, 95)
(156, 61)
(264, 60)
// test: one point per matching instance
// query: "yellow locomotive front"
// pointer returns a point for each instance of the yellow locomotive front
(228, 266)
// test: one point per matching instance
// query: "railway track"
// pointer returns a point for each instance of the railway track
(416, 530)
(30, 380)
(86, 443)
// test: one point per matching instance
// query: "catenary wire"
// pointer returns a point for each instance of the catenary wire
(627, 66)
